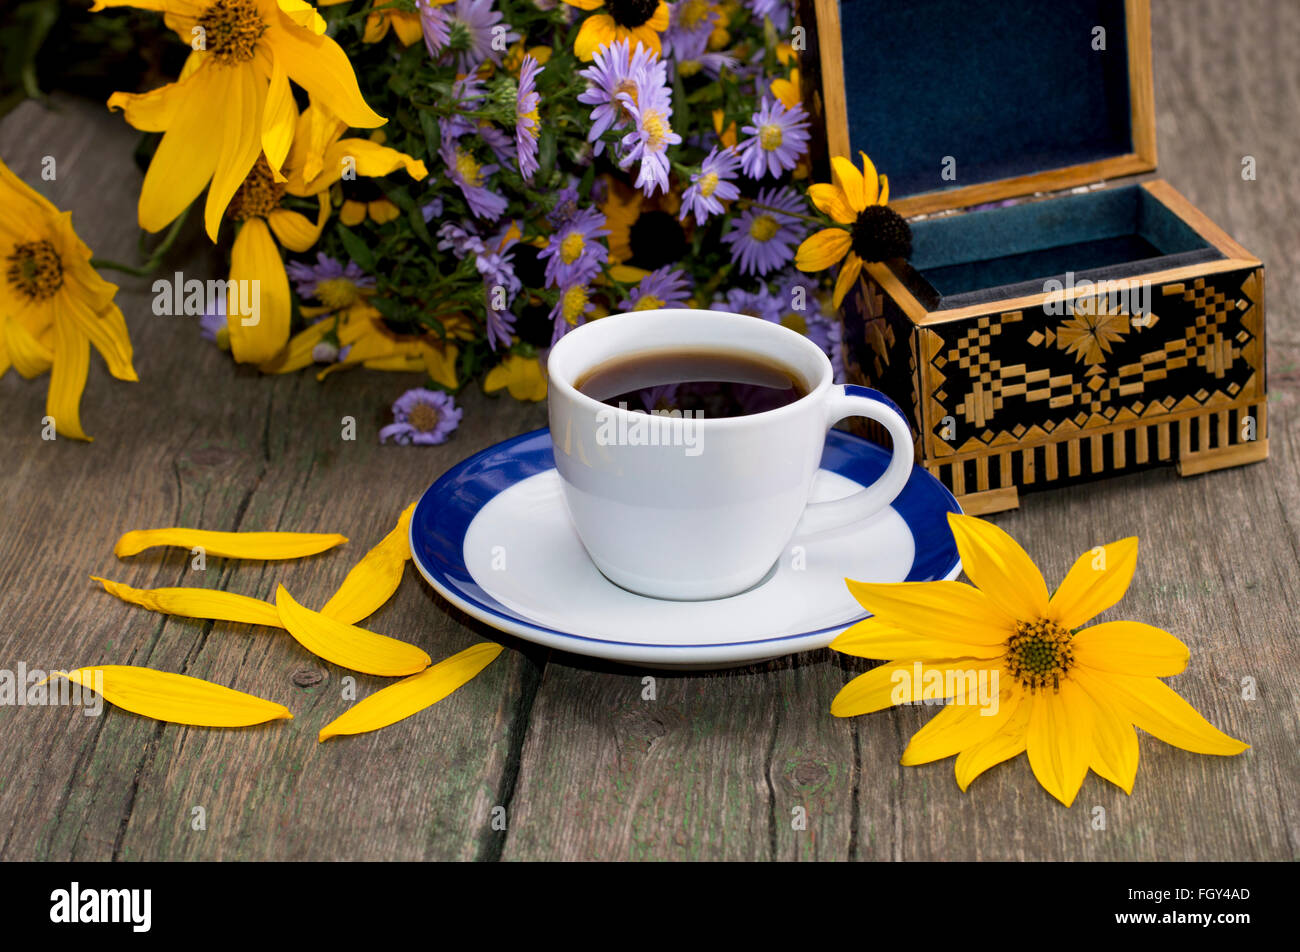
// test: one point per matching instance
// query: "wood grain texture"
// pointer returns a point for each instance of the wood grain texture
(717, 764)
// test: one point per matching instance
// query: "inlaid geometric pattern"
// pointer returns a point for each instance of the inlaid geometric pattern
(1023, 375)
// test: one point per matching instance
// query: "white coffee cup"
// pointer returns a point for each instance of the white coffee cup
(707, 508)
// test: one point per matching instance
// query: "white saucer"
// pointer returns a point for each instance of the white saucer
(493, 536)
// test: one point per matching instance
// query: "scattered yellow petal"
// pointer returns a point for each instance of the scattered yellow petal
(414, 694)
(375, 578)
(177, 698)
(197, 603)
(231, 545)
(347, 645)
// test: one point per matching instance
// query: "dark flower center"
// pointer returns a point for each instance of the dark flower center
(880, 233)
(424, 417)
(534, 325)
(631, 13)
(231, 29)
(656, 239)
(529, 268)
(258, 195)
(1039, 654)
(35, 269)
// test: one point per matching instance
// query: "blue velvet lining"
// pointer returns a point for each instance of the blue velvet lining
(998, 247)
(1004, 88)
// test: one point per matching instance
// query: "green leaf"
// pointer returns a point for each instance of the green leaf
(432, 132)
(357, 249)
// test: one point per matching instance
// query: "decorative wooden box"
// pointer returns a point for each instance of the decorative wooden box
(1090, 327)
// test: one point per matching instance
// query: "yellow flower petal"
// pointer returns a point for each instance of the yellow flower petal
(375, 578)
(1059, 743)
(280, 117)
(830, 199)
(818, 252)
(1156, 708)
(231, 545)
(177, 698)
(369, 159)
(296, 231)
(900, 682)
(105, 329)
(68, 380)
(346, 645)
(319, 65)
(1003, 745)
(30, 357)
(197, 603)
(849, 179)
(521, 375)
(1130, 647)
(303, 14)
(870, 181)
(242, 97)
(597, 30)
(412, 695)
(884, 191)
(1098, 579)
(874, 638)
(848, 276)
(999, 567)
(255, 257)
(158, 109)
(1114, 742)
(955, 728)
(185, 159)
(952, 610)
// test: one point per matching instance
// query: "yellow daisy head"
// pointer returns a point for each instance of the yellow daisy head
(1022, 673)
(637, 21)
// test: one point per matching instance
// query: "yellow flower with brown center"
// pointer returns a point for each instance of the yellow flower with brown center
(865, 230)
(637, 21)
(385, 15)
(1067, 695)
(233, 102)
(53, 304)
(318, 147)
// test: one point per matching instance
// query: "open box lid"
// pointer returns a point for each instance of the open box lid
(961, 102)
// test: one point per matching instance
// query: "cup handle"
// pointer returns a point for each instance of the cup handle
(847, 401)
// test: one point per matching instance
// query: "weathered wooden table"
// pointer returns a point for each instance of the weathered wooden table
(585, 769)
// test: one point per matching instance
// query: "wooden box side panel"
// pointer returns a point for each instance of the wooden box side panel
(1024, 399)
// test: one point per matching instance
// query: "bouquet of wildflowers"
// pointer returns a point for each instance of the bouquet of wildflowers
(450, 186)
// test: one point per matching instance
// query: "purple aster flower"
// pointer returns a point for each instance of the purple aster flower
(616, 75)
(464, 170)
(213, 327)
(778, 137)
(666, 287)
(763, 236)
(467, 95)
(760, 303)
(500, 285)
(711, 186)
(460, 240)
(715, 64)
(527, 125)
(573, 254)
(691, 22)
(499, 141)
(778, 11)
(469, 29)
(435, 24)
(422, 416)
(649, 141)
(571, 309)
(309, 277)
(565, 207)
(432, 210)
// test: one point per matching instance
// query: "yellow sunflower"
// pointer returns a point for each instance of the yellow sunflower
(1066, 695)
(637, 21)
(857, 203)
(53, 304)
(319, 150)
(232, 103)
(646, 230)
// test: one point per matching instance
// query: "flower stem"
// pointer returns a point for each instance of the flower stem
(155, 259)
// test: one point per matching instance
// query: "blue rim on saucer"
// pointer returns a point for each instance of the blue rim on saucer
(444, 513)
